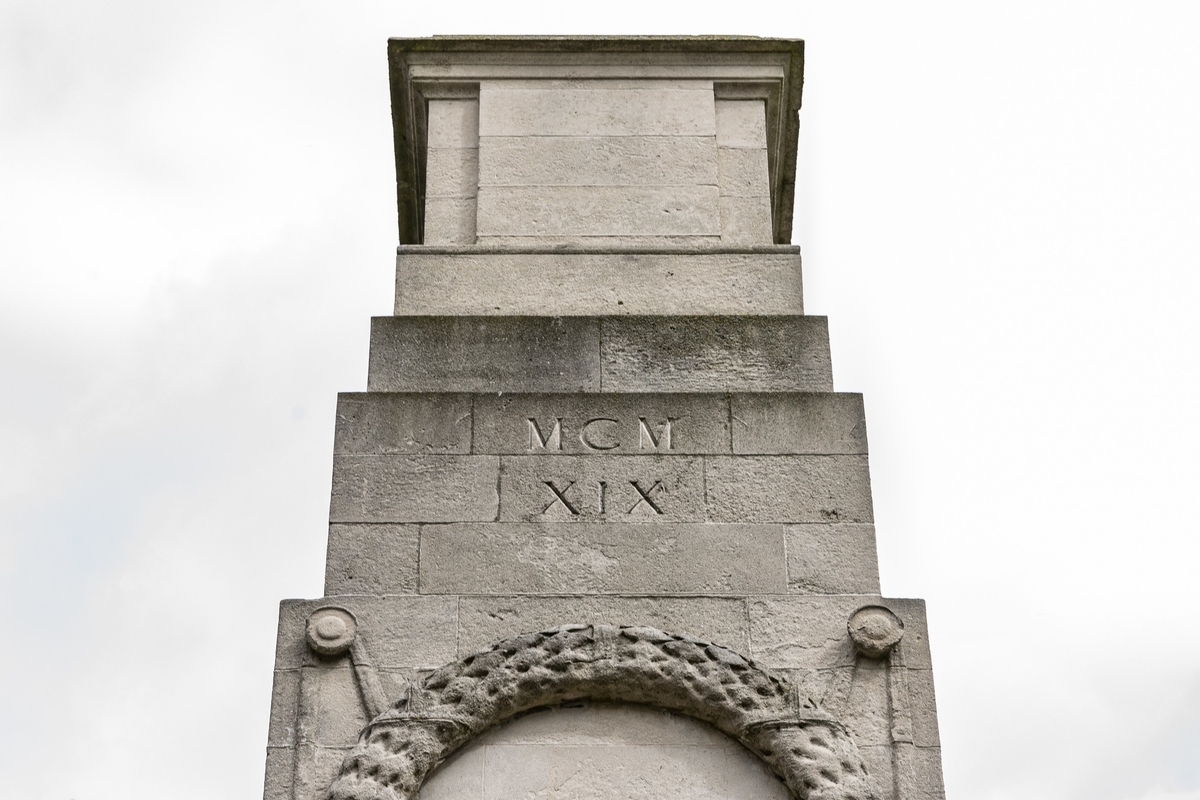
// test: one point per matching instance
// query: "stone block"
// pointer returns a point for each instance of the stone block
(813, 423)
(403, 488)
(450, 220)
(541, 283)
(788, 489)
(743, 173)
(484, 354)
(601, 488)
(558, 558)
(372, 559)
(572, 211)
(377, 423)
(598, 161)
(277, 783)
(451, 172)
(484, 621)
(746, 221)
(800, 632)
(400, 633)
(741, 123)
(316, 767)
(680, 424)
(332, 712)
(878, 761)
(596, 108)
(867, 712)
(926, 773)
(452, 123)
(832, 559)
(923, 707)
(743, 353)
(285, 697)
(914, 647)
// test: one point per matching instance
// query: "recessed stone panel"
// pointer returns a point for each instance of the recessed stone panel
(596, 108)
(598, 161)
(493, 558)
(576, 211)
(610, 489)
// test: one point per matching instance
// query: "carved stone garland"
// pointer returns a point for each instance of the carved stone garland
(809, 751)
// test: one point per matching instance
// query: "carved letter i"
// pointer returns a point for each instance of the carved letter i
(602, 487)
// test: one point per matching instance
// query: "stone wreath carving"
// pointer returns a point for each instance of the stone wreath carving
(809, 751)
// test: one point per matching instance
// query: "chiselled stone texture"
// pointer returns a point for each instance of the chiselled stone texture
(807, 749)
(594, 354)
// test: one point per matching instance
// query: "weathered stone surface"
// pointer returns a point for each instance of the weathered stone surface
(372, 559)
(450, 220)
(745, 220)
(333, 712)
(538, 282)
(599, 161)
(376, 423)
(285, 696)
(401, 488)
(277, 784)
(483, 621)
(913, 649)
(803, 632)
(452, 172)
(784, 353)
(741, 124)
(453, 123)
(818, 423)
(923, 707)
(580, 211)
(543, 559)
(809, 751)
(400, 633)
(628, 489)
(596, 108)
(878, 761)
(788, 488)
(680, 424)
(482, 354)
(743, 173)
(316, 768)
(832, 559)
(927, 773)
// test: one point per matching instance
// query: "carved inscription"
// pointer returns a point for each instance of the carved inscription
(649, 497)
(601, 434)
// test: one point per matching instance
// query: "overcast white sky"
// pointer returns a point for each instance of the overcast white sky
(999, 208)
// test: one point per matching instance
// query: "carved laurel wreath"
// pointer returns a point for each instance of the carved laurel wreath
(809, 751)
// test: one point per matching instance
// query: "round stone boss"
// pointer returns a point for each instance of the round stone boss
(331, 630)
(875, 630)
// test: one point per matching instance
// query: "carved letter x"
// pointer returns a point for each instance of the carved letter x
(645, 496)
(560, 497)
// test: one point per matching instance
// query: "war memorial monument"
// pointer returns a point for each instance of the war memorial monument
(600, 526)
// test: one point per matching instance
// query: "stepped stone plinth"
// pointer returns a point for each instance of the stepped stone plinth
(600, 527)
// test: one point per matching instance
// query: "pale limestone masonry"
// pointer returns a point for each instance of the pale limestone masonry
(600, 527)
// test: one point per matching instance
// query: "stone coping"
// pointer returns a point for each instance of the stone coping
(774, 70)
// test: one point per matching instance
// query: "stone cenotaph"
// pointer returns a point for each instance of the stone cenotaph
(600, 527)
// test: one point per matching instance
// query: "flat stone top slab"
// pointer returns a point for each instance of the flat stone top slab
(736, 68)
